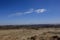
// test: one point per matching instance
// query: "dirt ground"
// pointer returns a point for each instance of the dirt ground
(28, 34)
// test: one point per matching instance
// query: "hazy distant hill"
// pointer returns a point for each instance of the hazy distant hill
(36, 26)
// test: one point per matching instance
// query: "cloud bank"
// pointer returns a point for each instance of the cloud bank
(30, 11)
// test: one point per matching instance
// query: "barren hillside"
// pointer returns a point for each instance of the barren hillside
(26, 34)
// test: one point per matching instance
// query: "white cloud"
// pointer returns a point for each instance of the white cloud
(19, 13)
(40, 10)
(15, 14)
(29, 11)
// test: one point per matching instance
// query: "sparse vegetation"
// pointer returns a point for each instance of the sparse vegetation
(25, 32)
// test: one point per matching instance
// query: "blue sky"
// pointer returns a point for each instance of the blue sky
(29, 12)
